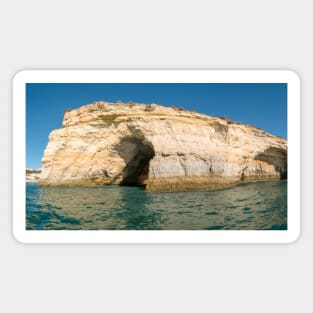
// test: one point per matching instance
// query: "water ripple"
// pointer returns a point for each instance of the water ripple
(261, 205)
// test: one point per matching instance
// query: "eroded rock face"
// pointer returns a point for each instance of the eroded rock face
(164, 149)
(32, 176)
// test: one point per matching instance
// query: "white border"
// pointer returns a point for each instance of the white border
(156, 76)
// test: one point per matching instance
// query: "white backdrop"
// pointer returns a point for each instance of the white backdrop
(160, 34)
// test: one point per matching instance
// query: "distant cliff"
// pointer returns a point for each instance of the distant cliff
(161, 148)
(32, 175)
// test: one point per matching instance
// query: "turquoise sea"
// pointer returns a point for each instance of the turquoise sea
(250, 206)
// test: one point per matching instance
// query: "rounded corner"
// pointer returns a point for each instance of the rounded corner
(294, 76)
(17, 237)
(19, 76)
(294, 237)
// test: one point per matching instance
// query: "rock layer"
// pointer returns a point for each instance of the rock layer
(32, 176)
(161, 148)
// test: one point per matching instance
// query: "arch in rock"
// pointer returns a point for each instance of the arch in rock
(276, 157)
(136, 153)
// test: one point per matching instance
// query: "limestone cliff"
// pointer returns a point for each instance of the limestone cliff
(164, 149)
(32, 176)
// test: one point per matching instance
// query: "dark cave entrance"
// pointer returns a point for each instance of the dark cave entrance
(276, 157)
(137, 154)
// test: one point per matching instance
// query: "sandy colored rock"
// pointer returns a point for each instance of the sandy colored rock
(164, 149)
(32, 175)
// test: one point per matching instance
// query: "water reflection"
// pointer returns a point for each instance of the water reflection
(261, 205)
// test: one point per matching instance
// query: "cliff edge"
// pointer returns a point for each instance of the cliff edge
(161, 148)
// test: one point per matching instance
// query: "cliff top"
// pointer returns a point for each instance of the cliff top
(109, 112)
(130, 109)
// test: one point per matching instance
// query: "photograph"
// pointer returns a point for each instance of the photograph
(156, 156)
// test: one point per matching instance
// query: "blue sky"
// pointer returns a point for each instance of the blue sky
(262, 105)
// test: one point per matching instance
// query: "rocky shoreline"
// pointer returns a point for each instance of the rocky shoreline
(32, 176)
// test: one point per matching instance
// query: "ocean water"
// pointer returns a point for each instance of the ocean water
(250, 206)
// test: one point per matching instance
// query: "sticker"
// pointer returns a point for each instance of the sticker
(156, 156)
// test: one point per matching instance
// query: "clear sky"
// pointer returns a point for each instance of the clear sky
(261, 105)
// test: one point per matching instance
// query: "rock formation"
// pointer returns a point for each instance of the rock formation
(32, 176)
(161, 148)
